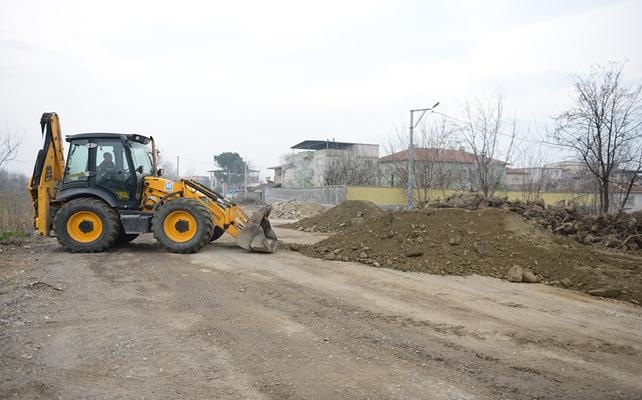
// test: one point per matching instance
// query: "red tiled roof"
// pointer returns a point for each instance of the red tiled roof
(433, 154)
(516, 171)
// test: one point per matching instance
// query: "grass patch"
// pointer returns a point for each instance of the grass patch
(17, 234)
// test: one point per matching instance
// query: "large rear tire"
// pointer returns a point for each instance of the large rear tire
(86, 225)
(183, 226)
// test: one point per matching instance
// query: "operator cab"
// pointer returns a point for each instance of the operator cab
(111, 166)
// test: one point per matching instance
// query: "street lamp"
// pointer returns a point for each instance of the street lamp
(413, 125)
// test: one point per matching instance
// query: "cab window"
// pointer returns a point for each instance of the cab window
(142, 158)
(77, 163)
(112, 168)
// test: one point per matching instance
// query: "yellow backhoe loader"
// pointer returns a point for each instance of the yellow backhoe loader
(110, 191)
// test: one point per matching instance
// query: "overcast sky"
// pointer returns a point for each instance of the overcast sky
(258, 77)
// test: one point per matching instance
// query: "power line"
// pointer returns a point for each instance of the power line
(531, 141)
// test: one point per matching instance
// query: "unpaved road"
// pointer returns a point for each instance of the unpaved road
(139, 323)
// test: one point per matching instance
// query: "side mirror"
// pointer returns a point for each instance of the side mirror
(140, 169)
(160, 172)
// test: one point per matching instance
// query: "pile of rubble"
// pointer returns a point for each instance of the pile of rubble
(293, 209)
(488, 241)
(343, 216)
(613, 230)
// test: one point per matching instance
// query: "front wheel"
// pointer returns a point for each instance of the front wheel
(183, 226)
(86, 225)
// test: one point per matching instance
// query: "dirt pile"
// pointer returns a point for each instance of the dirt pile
(486, 242)
(615, 230)
(343, 216)
(293, 209)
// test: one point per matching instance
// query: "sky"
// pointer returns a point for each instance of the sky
(257, 77)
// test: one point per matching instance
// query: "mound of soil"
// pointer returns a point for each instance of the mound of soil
(614, 230)
(293, 209)
(485, 242)
(340, 217)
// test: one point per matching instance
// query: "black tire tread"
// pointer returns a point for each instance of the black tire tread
(199, 211)
(107, 239)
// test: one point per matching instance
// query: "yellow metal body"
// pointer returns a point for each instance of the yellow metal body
(225, 214)
(43, 188)
(252, 233)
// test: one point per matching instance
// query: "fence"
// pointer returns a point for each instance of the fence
(326, 195)
(392, 196)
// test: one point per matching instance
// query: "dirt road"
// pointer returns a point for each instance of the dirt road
(139, 323)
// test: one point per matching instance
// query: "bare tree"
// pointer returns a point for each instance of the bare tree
(536, 176)
(9, 146)
(431, 169)
(348, 169)
(603, 129)
(491, 137)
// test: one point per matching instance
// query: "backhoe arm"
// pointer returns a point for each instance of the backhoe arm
(48, 172)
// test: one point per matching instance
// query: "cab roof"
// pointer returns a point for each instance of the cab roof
(103, 135)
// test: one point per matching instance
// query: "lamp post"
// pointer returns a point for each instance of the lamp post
(413, 125)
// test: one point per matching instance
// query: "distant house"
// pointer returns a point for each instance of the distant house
(516, 178)
(633, 203)
(436, 167)
(328, 162)
(562, 176)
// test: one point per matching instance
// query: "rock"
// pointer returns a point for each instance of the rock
(514, 274)
(454, 240)
(529, 277)
(376, 264)
(414, 253)
(358, 221)
(330, 256)
(363, 255)
(609, 293)
(479, 248)
(611, 241)
(588, 239)
(566, 282)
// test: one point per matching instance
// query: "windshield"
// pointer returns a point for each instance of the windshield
(142, 156)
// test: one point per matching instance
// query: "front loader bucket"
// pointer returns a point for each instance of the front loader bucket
(258, 234)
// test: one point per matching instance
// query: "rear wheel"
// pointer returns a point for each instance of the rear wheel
(86, 225)
(183, 226)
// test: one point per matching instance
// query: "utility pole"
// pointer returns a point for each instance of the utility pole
(413, 125)
(245, 178)
(178, 171)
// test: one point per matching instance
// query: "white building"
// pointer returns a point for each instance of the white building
(323, 162)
